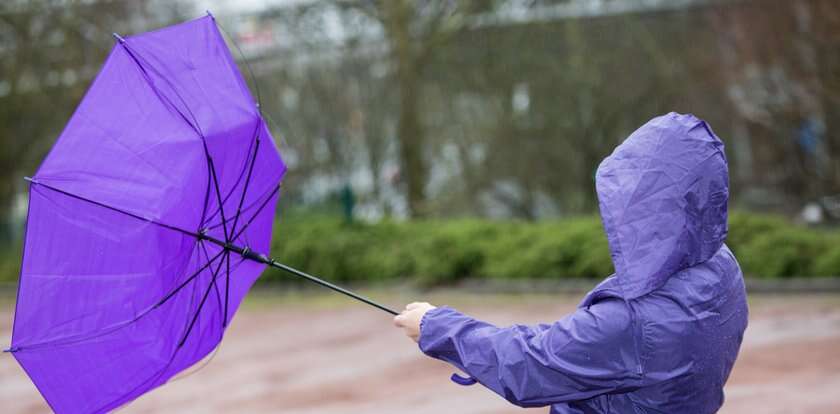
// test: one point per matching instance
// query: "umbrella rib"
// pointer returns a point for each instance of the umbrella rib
(204, 299)
(246, 208)
(212, 168)
(206, 200)
(256, 213)
(245, 188)
(118, 210)
(207, 256)
(69, 340)
(250, 220)
(136, 58)
(236, 221)
(227, 291)
(238, 179)
(189, 279)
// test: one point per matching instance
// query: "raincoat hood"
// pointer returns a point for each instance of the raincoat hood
(663, 199)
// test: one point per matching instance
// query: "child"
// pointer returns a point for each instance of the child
(658, 336)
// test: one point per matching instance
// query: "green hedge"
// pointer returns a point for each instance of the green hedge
(768, 246)
(441, 251)
(433, 252)
(436, 252)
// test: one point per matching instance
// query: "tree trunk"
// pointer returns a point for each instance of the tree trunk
(398, 15)
(410, 134)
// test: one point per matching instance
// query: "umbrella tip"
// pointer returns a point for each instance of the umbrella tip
(210, 14)
(118, 37)
(12, 349)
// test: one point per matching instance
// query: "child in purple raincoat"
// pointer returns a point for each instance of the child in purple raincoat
(658, 336)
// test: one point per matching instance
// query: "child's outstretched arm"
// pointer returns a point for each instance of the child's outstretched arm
(590, 352)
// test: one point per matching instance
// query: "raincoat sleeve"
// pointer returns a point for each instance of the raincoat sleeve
(588, 353)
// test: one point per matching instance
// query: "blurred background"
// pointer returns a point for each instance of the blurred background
(447, 150)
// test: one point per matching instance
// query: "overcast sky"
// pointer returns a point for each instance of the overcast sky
(221, 7)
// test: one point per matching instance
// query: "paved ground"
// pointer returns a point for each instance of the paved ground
(324, 355)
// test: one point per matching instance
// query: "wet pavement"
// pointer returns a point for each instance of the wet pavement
(324, 355)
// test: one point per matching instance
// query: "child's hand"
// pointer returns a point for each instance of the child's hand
(410, 318)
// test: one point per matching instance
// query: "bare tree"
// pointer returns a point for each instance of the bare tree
(413, 32)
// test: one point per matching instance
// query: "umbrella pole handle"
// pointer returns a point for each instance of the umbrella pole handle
(329, 285)
(260, 258)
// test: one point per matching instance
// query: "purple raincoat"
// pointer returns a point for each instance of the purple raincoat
(658, 336)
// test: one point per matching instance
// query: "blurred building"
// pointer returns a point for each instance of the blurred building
(768, 114)
(516, 101)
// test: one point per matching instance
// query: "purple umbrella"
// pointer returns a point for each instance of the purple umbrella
(148, 222)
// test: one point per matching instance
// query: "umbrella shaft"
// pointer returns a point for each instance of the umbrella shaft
(260, 258)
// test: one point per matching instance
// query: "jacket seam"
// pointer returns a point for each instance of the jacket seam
(638, 334)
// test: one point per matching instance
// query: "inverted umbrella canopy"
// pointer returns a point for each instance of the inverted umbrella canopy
(148, 222)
